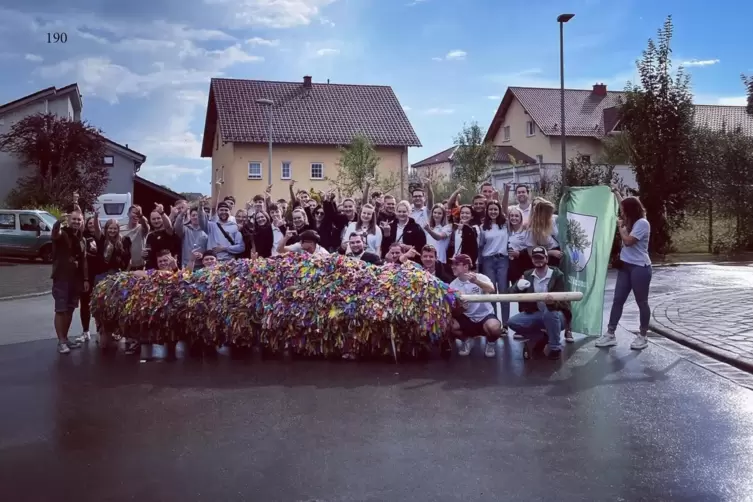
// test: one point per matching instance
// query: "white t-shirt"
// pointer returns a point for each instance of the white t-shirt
(399, 231)
(297, 248)
(137, 235)
(637, 254)
(517, 241)
(373, 241)
(421, 216)
(476, 312)
(493, 241)
(277, 236)
(441, 244)
(541, 285)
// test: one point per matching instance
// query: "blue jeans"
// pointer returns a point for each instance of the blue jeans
(531, 325)
(635, 278)
(495, 268)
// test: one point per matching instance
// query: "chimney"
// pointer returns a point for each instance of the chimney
(307, 82)
(600, 90)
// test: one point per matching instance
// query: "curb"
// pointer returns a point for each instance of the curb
(21, 297)
(718, 354)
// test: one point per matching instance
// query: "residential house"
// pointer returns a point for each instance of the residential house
(309, 121)
(439, 166)
(65, 102)
(528, 118)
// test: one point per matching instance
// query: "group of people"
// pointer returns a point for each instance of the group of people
(486, 246)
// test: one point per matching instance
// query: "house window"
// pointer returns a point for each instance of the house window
(254, 170)
(285, 171)
(109, 160)
(506, 131)
(539, 159)
(586, 159)
(530, 128)
(317, 171)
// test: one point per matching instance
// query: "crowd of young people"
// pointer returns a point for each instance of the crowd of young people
(486, 246)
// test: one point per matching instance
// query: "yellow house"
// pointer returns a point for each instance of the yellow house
(309, 121)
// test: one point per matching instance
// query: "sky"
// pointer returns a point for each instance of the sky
(144, 66)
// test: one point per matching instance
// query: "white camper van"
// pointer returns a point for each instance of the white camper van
(114, 206)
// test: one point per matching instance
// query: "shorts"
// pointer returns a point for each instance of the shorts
(66, 294)
(471, 328)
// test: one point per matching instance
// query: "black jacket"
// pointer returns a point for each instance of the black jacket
(556, 285)
(441, 273)
(469, 244)
(413, 235)
(369, 257)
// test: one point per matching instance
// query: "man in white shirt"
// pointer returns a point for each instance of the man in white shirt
(477, 318)
(541, 322)
(309, 243)
(420, 211)
(523, 196)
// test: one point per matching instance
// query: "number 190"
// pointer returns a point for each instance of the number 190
(57, 38)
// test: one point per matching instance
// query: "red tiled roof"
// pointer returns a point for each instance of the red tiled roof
(718, 117)
(502, 155)
(592, 115)
(324, 114)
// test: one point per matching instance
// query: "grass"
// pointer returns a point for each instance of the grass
(694, 236)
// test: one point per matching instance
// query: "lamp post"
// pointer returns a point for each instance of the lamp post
(269, 103)
(562, 19)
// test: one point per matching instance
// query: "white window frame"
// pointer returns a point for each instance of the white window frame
(539, 159)
(311, 170)
(530, 128)
(282, 170)
(506, 133)
(253, 177)
(109, 160)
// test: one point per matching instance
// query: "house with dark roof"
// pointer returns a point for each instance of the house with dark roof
(439, 166)
(528, 119)
(66, 102)
(309, 122)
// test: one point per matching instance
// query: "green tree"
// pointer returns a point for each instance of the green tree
(748, 81)
(577, 241)
(58, 157)
(472, 160)
(358, 166)
(580, 172)
(658, 117)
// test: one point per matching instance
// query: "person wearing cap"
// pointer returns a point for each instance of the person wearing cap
(541, 322)
(308, 243)
(229, 201)
(477, 318)
(224, 238)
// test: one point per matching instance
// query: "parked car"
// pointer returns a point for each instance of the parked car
(26, 233)
(114, 206)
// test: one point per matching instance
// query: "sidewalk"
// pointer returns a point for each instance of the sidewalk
(20, 277)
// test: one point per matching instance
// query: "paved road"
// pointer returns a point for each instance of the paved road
(21, 277)
(600, 425)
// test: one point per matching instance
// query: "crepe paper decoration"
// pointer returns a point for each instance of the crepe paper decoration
(311, 305)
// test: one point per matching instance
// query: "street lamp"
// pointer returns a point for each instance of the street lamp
(270, 104)
(562, 19)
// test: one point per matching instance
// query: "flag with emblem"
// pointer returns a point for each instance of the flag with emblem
(587, 223)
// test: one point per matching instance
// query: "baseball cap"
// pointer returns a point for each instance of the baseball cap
(222, 205)
(539, 251)
(310, 236)
(462, 259)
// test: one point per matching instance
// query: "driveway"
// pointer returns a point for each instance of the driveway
(22, 277)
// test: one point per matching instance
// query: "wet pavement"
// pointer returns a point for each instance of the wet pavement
(23, 277)
(663, 424)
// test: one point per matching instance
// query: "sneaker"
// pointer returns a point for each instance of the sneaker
(63, 348)
(465, 348)
(74, 344)
(606, 340)
(491, 349)
(518, 336)
(554, 355)
(640, 342)
(85, 336)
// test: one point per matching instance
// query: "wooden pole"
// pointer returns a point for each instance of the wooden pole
(571, 296)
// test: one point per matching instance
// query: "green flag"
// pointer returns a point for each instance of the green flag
(587, 221)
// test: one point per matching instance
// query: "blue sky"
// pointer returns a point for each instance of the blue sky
(144, 66)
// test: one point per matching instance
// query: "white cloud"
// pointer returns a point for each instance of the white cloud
(437, 59)
(439, 111)
(494, 98)
(416, 2)
(166, 173)
(33, 58)
(456, 55)
(271, 13)
(258, 41)
(407, 108)
(701, 62)
(733, 101)
(327, 52)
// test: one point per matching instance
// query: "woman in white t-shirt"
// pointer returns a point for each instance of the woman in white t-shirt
(542, 230)
(438, 232)
(493, 255)
(366, 226)
(517, 244)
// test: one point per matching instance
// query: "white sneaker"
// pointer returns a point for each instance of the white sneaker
(63, 348)
(491, 349)
(518, 336)
(465, 348)
(85, 336)
(606, 340)
(640, 342)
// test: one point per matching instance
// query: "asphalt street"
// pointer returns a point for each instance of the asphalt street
(616, 424)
